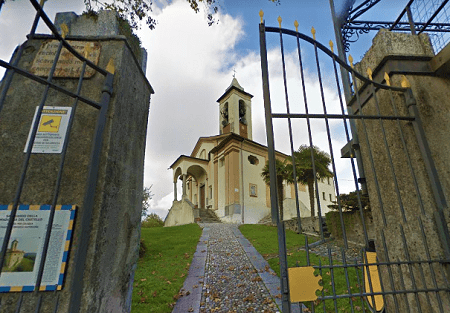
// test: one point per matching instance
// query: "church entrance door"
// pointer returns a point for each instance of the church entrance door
(202, 197)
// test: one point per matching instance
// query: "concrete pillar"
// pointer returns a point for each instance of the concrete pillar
(175, 190)
(407, 223)
(106, 278)
(184, 185)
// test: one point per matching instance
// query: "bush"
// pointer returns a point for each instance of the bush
(152, 220)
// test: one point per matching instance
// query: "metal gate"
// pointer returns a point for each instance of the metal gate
(409, 270)
(16, 70)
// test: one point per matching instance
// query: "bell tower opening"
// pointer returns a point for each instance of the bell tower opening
(235, 111)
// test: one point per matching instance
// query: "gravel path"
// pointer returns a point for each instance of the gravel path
(231, 283)
(228, 275)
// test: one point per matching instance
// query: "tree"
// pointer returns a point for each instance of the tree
(304, 169)
(146, 197)
(349, 202)
(135, 11)
(283, 173)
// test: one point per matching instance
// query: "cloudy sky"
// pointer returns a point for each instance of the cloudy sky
(190, 65)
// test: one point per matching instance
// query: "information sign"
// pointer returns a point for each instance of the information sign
(24, 253)
(51, 131)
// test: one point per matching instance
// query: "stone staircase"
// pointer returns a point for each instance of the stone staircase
(207, 216)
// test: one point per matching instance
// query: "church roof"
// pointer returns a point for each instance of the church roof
(187, 157)
(234, 86)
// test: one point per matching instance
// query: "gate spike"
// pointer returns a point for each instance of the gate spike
(369, 72)
(296, 25)
(405, 82)
(350, 59)
(261, 15)
(64, 30)
(313, 32)
(331, 45)
(279, 20)
(387, 79)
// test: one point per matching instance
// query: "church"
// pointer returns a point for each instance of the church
(223, 172)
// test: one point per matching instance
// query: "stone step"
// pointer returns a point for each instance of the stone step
(207, 216)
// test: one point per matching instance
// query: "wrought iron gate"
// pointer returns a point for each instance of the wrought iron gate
(15, 69)
(405, 273)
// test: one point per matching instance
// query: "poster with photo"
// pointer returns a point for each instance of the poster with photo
(25, 247)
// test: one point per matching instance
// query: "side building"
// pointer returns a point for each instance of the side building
(223, 172)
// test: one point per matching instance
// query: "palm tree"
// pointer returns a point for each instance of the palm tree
(283, 173)
(304, 168)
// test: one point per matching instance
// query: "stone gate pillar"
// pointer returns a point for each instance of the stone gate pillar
(106, 281)
(409, 228)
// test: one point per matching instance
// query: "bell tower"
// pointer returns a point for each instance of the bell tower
(235, 111)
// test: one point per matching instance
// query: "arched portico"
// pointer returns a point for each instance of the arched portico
(186, 166)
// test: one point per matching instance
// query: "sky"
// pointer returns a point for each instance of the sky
(190, 65)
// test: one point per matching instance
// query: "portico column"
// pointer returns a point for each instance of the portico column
(175, 190)
(184, 185)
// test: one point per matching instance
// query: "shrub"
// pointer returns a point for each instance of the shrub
(152, 220)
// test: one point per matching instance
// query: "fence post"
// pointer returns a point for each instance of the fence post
(414, 230)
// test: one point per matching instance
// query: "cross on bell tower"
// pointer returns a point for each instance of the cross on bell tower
(235, 111)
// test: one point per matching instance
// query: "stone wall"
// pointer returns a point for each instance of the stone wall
(115, 224)
(353, 224)
(310, 225)
(399, 217)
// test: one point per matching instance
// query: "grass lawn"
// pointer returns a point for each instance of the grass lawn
(264, 239)
(161, 272)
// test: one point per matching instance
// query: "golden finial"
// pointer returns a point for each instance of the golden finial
(331, 45)
(350, 59)
(261, 15)
(279, 20)
(42, 2)
(387, 79)
(64, 30)
(296, 25)
(369, 72)
(405, 82)
(313, 32)
(87, 50)
(110, 67)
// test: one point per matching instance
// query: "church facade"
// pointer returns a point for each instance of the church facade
(223, 172)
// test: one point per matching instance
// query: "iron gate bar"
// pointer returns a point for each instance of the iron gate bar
(341, 116)
(399, 198)
(433, 16)
(331, 54)
(369, 150)
(26, 161)
(357, 154)
(88, 202)
(294, 171)
(50, 84)
(272, 172)
(66, 45)
(405, 149)
(58, 182)
(401, 26)
(433, 274)
(411, 274)
(397, 21)
(368, 5)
